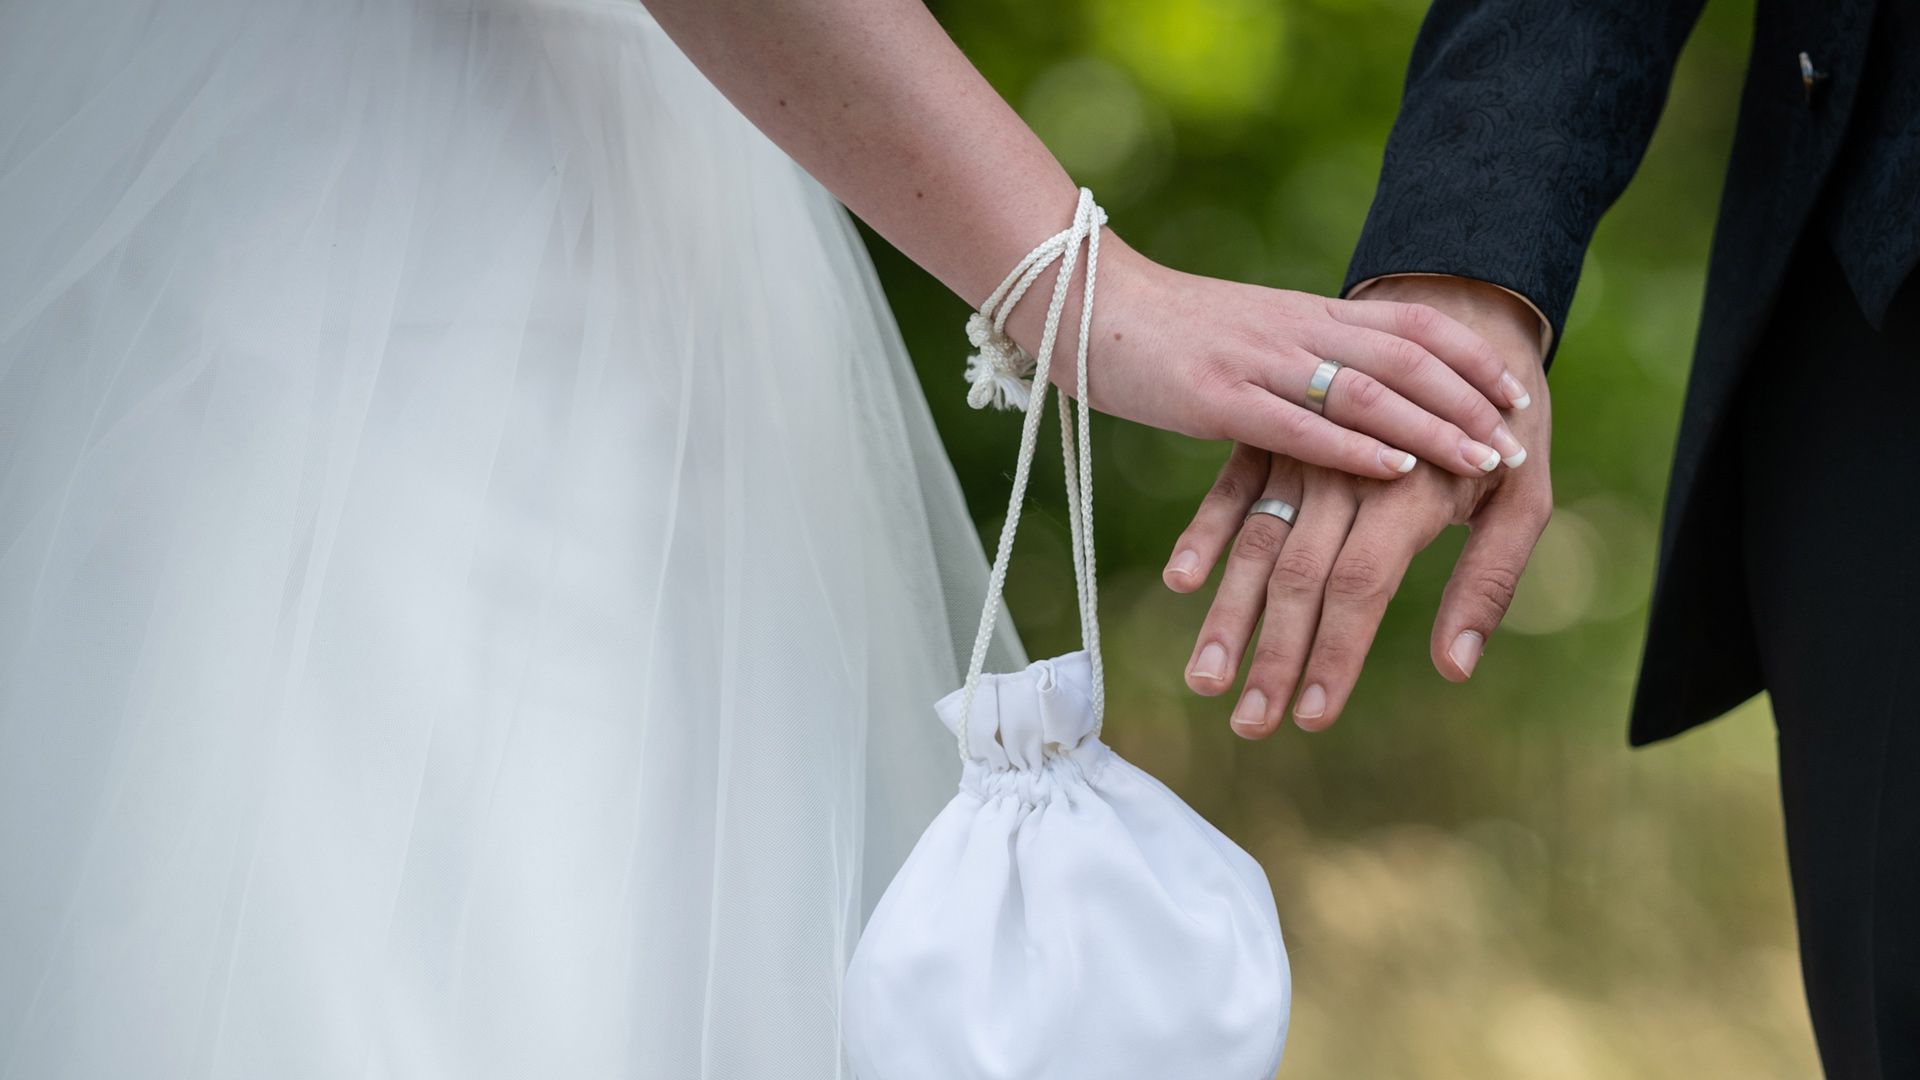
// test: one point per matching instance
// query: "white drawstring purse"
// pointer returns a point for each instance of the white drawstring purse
(1067, 916)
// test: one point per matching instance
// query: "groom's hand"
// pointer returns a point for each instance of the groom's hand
(1514, 506)
(1322, 586)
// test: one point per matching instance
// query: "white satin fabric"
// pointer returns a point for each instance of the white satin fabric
(1066, 917)
(472, 550)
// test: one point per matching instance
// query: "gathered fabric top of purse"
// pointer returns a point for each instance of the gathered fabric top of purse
(1031, 730)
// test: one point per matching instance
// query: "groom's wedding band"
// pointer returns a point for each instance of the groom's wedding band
(1279, 508)
(1318, 384)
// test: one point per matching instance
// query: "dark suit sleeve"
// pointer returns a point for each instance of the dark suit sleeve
(1522, 122)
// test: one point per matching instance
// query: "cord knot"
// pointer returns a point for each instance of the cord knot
(999, 372)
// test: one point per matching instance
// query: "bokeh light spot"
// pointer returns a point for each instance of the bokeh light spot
(1212, 59)
(1090, 114)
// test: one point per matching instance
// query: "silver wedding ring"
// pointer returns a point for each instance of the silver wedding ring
(1318, 384)
(1279, 508)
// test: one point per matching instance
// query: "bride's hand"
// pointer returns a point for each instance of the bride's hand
(1222, 360)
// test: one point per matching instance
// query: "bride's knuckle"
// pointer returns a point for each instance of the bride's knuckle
(1474, 407)
(1420, 319)
(1218, 375)
(1406, 359)
(1254, 335)
(1484, 363)
(1293, 426)
(1407, 318)
(1364, 392)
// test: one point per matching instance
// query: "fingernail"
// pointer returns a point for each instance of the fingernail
(1184, 564)
(1212, 663)
(1251, 713)
(1465, 650)
(1480, 455)
(1398, 460)
(1516, 393)
(1312, 703)
(1510, 449)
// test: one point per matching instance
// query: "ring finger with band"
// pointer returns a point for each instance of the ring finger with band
(1292, 596)
(1345, 391)
(1243, 585)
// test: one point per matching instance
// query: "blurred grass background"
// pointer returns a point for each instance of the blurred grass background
(1477, 881)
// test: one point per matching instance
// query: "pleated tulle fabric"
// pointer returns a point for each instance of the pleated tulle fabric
(474, 557)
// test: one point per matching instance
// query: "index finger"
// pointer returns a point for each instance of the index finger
(1478, 594)
(1214, 524)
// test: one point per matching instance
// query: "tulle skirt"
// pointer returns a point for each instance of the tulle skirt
(475, 563)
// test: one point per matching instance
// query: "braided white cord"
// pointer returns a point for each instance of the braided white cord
(991, 373)
(1085, 576)
(1080, 495)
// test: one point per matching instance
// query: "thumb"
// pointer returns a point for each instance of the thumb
(1483, 582)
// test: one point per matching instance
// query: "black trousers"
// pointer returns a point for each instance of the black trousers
(1828, 423)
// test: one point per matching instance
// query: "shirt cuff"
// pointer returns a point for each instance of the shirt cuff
(1546, 327)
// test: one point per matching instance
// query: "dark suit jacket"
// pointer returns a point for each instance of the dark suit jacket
(1524, 119)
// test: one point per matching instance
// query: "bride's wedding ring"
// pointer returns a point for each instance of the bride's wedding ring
(1318, 384)
(1279, 508)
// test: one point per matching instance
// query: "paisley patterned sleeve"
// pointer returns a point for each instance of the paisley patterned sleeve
(1522, 122)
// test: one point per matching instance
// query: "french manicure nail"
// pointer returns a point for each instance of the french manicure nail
(1251, 713)
(1398, 460)
(1312, 703)
(1465, 650)
(1212, 663)
(1480, 455)
(1184, 564)
(1516, 393)
(1510, 449)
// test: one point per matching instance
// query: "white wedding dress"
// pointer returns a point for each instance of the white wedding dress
(475, 562)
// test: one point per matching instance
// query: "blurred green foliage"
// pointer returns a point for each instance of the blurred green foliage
(1477, 881)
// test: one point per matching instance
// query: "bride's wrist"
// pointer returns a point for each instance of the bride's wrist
(1121, 281)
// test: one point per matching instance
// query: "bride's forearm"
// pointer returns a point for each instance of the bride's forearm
(873, 99)
(877, 102)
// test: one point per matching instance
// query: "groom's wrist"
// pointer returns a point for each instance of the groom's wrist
(1509, 322)
(1420, 287)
